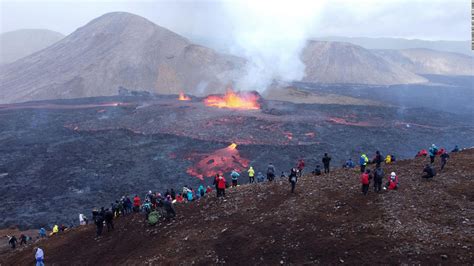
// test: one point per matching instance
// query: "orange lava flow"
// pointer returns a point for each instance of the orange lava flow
(183, 97)
(220, 161)
(231, 99)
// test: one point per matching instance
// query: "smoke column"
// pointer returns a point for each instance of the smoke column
(271, 36)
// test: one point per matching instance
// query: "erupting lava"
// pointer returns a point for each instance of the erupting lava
(231, 99)
(220, 161)
(183, 97)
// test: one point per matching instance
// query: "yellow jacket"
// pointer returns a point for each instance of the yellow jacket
(251, 172)
(388, 159)
(55, 229)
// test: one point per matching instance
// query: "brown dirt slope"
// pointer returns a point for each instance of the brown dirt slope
(327, 221)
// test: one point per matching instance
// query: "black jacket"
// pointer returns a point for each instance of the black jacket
(326, 160)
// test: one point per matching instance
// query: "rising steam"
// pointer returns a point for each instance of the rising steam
(271, 35)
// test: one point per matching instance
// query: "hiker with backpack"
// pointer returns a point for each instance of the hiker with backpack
(365, 181)
(293, 179)
(378, 179)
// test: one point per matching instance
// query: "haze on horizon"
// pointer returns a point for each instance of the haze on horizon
(207, 19)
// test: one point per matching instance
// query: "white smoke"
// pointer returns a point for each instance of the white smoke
(271, 34)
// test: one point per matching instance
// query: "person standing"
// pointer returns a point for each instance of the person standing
(270, 172)
(364, 180)
(221, 184)
(326, 161)
(12, 241)
(377, 159)
(300, 167)
(444, 159)
(363, 162)
(216, 185)
(251, 174)
(235, 177)
(293, 178)
(39, 256)
(433, 151)
(23, 239)
(109, 220)
(42, 232)
(378, 179)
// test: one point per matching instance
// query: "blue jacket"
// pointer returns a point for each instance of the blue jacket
(234, 175)
(363, 159)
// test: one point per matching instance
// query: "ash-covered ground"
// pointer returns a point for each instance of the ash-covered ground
(64, 157)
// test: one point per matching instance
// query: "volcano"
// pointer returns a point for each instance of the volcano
(117, 49)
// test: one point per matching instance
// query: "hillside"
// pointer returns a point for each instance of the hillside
(425, 61)
(117, 49)
(327, 221)
(20, 43)
(462, 47)
(334, 62)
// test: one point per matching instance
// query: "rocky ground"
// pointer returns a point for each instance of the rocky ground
(327, 221)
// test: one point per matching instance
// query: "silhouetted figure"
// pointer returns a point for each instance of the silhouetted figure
(326, 161)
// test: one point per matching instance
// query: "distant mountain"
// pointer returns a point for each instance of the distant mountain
(463, 47)
(20, 43)
(335, 62)
(117, 49)
(425, 61)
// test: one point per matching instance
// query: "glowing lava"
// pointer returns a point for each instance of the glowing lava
(231, 99)
(183, 97)
(220, 161)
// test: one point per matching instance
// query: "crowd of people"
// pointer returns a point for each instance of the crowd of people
(156, 206)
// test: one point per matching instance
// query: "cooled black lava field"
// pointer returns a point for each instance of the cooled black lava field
(64, 157)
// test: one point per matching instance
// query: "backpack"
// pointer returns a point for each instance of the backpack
(153, 218)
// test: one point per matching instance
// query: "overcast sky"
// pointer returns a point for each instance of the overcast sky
(423, 19)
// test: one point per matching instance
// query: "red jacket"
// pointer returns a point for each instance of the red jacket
(441, 151)
(208, 190)
(300, 165)
(136, 201)
(364, 179)
(392, 185)
(221, 183)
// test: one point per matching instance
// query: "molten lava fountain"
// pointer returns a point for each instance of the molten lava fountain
(220, 161)
(183, 97)
(231, 99)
